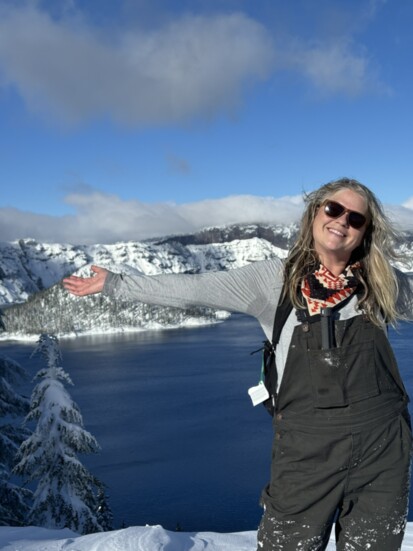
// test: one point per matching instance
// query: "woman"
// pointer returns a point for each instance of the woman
(341, 451)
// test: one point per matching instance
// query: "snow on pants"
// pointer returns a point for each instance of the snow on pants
(359, 480)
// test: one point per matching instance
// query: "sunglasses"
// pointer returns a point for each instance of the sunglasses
(334, 210)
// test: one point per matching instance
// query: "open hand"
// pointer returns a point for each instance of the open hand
(82, 286)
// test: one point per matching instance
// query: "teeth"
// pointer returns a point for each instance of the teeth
(336, 232)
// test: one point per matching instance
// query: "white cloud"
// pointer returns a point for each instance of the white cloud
(334, 67)
(409, 203)
(194, 66)
(242, 209)
(401, 215)
(102, 218)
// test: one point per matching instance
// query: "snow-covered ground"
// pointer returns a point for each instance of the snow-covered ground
(148, 538)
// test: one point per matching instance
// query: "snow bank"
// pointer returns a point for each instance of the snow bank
(148, 538)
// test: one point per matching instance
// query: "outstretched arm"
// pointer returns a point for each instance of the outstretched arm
(82, 286)
(253, 289)
(247, 289)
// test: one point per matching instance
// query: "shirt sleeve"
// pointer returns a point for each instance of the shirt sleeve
(246, 289)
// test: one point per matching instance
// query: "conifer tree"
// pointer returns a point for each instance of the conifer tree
(104, 513)
(66, 493)
(14, 500)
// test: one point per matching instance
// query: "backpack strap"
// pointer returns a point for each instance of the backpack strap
(282, 312)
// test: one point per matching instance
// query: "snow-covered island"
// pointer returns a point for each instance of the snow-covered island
(31, 272)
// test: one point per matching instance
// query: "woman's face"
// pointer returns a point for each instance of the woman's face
(334, 238)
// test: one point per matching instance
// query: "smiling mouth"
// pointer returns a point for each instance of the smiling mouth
(336, 232)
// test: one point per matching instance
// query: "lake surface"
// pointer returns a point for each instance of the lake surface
(181, 442)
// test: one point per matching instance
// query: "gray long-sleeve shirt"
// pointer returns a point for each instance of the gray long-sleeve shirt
(254, 290)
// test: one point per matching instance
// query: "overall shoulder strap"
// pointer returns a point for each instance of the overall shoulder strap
(282, 312)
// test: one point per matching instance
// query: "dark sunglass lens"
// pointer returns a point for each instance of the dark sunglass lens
(356, 220)
(333, 209)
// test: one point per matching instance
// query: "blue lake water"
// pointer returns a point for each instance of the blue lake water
(181, 442)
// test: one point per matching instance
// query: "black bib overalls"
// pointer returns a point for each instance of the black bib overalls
(342, 444)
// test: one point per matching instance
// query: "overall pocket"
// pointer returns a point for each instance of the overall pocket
(341, 376)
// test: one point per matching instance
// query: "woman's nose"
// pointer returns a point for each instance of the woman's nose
(343, 219)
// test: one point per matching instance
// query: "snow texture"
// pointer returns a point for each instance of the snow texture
(65, 492)
(27, 266)
(148, 538)
(29, 269)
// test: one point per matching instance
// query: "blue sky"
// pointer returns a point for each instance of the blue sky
(132, 118)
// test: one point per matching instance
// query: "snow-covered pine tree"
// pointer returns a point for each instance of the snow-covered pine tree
(66, 494)
(14, 500)
(104, 513)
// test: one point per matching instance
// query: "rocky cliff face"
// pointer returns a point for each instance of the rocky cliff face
(33, 300)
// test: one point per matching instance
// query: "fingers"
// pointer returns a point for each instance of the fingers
(81, 286)
(72, 278)
(74, 285)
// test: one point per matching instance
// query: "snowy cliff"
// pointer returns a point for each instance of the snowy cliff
(30, 275)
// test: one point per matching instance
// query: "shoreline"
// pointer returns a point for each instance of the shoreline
(189, 323)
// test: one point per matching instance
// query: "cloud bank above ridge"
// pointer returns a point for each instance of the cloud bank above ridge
(103, 218)
(192, 66)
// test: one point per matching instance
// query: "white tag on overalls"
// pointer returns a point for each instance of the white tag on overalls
(258, 394)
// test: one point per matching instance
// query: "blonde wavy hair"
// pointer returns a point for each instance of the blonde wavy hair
(376, 275)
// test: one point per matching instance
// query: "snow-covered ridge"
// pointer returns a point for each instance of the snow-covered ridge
(30, 271)
(27, 266)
